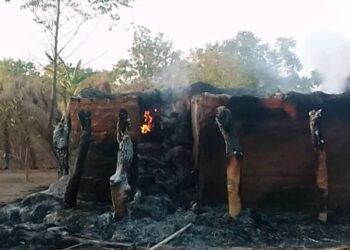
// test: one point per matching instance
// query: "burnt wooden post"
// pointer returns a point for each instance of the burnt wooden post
(60, 144)
(119, 183)
(234, 156)
(70, 196)
(321, 172)
(203, 109)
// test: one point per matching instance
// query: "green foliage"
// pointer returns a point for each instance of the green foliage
(245, 61)
(17, 67)
(52, 15)
(70, 79)
(74, 10)
(217, 65)
(150, 55)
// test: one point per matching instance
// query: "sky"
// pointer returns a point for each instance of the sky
(321, 29)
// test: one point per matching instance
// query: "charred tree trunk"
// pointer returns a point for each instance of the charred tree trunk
(60, 145)
(70, 196)
(321, 172)
(234, 156)
(119, 183)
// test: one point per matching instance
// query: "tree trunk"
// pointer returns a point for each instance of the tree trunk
(53, 114)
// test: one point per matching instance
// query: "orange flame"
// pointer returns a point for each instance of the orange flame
(146, 127)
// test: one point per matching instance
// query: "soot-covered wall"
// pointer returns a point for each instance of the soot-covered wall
(279, 169)
(102, 155)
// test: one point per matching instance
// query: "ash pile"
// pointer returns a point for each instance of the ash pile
(40, 222)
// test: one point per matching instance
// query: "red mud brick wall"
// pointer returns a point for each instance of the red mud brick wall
(279, 161)
(102, 155)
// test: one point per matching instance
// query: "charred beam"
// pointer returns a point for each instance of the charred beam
(234, 156)
(321, 172)
(70, 196)
(119, 183)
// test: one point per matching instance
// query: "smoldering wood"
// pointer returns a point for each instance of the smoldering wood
(120, 188)
(234, 156)
(201, 87)
(70, 197)
(321, 172)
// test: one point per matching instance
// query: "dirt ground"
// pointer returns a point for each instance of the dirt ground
(13, 185)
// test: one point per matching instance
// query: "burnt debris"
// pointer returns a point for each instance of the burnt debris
(180, 173)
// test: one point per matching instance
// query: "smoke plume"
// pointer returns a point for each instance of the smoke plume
(330, 55)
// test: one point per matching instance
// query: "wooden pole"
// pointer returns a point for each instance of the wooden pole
(234, 157)
(322, 184)
(170, 237)
(98, 242)
(321, 172)
(119, 182)
(70, 196)
(233, 179)
(26, 165)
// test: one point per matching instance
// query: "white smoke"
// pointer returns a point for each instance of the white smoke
(329, 53)
(173, 76)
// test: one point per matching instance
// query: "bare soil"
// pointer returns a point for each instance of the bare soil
(13, 185)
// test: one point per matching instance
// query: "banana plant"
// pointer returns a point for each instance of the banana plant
(72, 77)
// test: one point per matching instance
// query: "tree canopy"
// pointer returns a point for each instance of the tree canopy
(53, 15)
(17, 67)
(149, 56)
(243, 61)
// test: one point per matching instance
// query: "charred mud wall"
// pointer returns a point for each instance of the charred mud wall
(279, 168)
(207, 149)
(162, 158)
(101, 159)
(279, 165)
